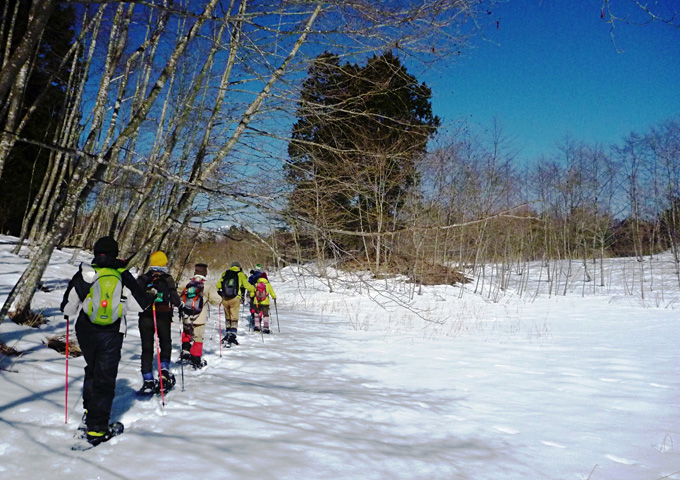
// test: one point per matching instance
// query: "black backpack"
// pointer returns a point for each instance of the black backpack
(160, 284)
(230, 284)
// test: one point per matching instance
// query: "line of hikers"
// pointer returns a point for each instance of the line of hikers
(100, 294)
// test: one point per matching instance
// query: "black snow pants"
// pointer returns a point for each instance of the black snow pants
(101, 350)
(147, 335)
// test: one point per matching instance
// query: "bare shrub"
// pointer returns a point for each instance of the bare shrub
(29, 318)
(58, 343)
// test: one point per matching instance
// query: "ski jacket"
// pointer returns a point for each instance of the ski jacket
(242, 282)
(254, 276)
(163, 283)
(270, 292)
(133, 297)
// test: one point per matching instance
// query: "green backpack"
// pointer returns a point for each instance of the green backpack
(103, 304)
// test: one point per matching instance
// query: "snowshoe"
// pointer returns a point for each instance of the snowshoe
(185, 355)
(186, 351)
(168, 382)
(197, 362)
(148, 389)
(83, 422)
(90, 439)
(232, 339)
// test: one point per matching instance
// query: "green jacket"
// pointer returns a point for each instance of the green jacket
(242, 281)
(270, 291)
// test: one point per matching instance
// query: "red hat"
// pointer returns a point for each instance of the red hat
(264, 275)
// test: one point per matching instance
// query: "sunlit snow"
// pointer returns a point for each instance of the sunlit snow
(376, 381)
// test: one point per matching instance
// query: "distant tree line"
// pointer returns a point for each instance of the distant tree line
(156, 120)
(365, 191)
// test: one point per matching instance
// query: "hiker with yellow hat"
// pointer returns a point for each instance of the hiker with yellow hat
(161, 290)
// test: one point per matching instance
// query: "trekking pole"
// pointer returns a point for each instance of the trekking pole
(262, 325)
(219, 319)
(158, 353)
(181, 332)
(212, 332)
(66, 384)
(240, 312)
(249, 316)
(243, 307)
(278, 325)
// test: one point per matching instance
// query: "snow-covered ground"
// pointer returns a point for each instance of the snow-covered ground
(358, 386)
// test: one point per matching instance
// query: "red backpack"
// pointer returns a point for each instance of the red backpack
(261, 292)
(192, 296)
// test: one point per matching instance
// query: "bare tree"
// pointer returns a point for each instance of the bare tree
(11, 68)
(266, 40)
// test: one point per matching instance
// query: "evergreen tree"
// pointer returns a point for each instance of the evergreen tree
(359, 133)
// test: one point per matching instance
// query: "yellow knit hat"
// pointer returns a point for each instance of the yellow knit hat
(158, 259)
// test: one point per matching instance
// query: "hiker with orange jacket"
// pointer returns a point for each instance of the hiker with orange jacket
(263, 293)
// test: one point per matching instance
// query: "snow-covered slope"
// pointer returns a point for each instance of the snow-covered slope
(358, 386)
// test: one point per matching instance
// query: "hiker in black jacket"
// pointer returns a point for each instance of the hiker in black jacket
(162, 294)
(100, 334)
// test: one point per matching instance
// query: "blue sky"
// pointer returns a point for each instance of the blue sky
(551, 69)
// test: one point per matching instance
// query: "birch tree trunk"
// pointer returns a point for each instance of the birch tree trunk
(15, 97)
(19, 300)
(104, 144)
(201, 174)
(9, 73)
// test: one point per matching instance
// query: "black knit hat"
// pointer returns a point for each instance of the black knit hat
(201, 269)
(106, 246)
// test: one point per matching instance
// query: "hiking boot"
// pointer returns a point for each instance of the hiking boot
(256, 329)
(95, 437)
(168, 381)
(232, 339)
(265, 330)
(197, 362)
(185, 355)
(168, 377)
(148, 387)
